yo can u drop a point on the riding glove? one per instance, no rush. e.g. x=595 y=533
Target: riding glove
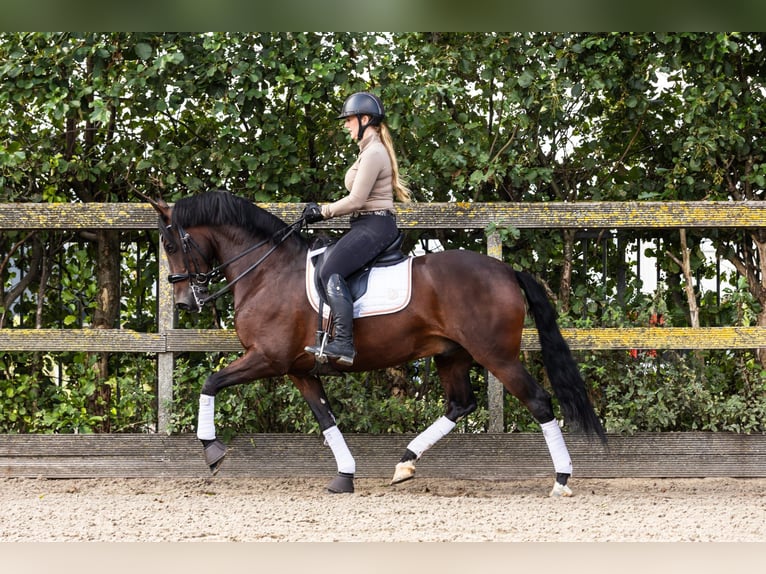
x=312 y=213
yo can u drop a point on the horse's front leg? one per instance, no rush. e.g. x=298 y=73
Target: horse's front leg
x=215 y=450
x=245 y=369
x=313 y=392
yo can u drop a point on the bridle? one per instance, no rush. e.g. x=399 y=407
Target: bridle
x=200 y=280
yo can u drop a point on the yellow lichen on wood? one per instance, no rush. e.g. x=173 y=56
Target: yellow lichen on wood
x=612 y=215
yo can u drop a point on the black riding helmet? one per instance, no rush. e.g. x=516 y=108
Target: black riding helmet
x=363 y=104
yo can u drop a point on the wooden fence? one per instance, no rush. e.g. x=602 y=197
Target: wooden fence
x=488 y=456
x=599 y=215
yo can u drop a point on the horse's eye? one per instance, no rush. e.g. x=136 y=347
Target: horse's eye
x=169 y=246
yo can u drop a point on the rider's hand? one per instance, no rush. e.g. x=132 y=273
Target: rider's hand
x=312 y=213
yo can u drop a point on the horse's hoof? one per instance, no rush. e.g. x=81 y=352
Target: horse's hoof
x=342 y=483
x=214 y=454
x=560 y=491
x=403 y=471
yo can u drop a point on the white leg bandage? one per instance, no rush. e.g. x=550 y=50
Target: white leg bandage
x=431 y=436
x=339 y=449
x=555 y=441
x=206 y=422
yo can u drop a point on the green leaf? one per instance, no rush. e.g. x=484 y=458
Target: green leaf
x=143 y=50
x=525 y=79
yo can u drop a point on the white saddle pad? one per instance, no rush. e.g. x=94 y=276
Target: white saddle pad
x=389 y=289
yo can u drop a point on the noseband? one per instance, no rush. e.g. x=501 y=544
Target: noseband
x=200 y=280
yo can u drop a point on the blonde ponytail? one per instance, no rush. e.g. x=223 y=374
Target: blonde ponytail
x=401 y=190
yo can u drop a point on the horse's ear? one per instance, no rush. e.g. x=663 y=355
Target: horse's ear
x=159 y=204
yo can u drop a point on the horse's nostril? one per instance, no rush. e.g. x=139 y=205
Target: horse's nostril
x=183 y=306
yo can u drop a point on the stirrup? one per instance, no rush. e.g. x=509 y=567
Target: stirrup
x=318 y=349
x=317 y=352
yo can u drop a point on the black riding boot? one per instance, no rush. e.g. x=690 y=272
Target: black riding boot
x=341 y=347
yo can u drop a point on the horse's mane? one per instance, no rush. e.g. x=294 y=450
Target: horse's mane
x=223 y=209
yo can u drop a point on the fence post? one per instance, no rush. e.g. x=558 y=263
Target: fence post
x=165 y=321
x=494 y=386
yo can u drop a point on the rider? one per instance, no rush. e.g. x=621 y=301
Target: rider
x=373 y=181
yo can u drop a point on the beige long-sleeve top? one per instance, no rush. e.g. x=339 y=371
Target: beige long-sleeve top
x=369 y=181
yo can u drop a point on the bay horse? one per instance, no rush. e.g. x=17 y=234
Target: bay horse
x=465 y=307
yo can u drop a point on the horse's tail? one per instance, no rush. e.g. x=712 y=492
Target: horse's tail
x=562 y=370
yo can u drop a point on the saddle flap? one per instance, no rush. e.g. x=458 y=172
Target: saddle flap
x=357 y=282
x=376 y=290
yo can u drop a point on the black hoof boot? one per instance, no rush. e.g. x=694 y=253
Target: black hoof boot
x=215 y=451
x=342 y=483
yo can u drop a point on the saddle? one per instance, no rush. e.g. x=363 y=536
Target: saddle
x=382 y=286
x=358 y=281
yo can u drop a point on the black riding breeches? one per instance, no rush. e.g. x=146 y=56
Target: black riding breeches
x=368 y=237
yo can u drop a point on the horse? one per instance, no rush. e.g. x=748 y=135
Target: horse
x=465 y=308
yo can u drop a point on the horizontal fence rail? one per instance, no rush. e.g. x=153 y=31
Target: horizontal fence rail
x=608 y=215
x=187 y=340
x=489 y=456
x=587 y=215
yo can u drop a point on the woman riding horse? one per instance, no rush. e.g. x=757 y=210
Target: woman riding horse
x=372 y=181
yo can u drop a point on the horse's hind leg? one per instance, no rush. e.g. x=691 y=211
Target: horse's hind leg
x=523 y=386
x=453 y=370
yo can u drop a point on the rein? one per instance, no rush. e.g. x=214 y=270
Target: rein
x=199 y=280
